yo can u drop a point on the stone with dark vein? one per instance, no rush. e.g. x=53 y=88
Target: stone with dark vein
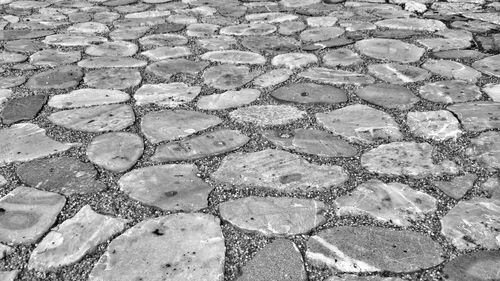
x=310 y=93
x=24 y=108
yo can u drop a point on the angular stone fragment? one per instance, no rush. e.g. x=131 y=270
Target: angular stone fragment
x=26 y=141
x=106 y=62
x=486 y=149
x=477 y=116
x=277 y=170
x=229 y=99
x=227 y=76
x=58 y=78
x=196 y=250
x=273 y=77
x=169 y=125
x=267 y=115
x=452 y=70
x=88 y=97
x=208 y=144
x=113 y=78
x=166 y=68
x=387 y=202
x=112 y=49
x=234 y=56
x=373 y=249
x=412 y=24
x=450 y=91
x=473 y=223
x=53 y=58
x=24 y=108
x=252 y=29
x=74 y=238
x=457 y=187
x=405 y=159
x=397 y=73
x=171 y=95
x=390 y=49
x=27 y=213
x=278 y=261
x=272 y=216
x=310 y=93
x=360 y=123
x=117 y=151
x=435 y=125
x=336 y=77
x=478 y=266
x=341 y=57
x=489 y=65
x=388 y=96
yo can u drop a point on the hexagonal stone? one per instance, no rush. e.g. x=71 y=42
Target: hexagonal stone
x=208 y=144
x=393 y=202
x=116 y=152
x=272 y=216
x=229 y=99
x=477 y=116
x=294 y=60
x=341 y=57
x=87 y=97
x=457 y=187
x=486 y=149
x=102 y=118
x=489 y=65
x=450 y=91
x=473 y=223
x=169 y=124
x=478 y=266
x=372 y=249
x=61 y=174
x=166 y=68
x=318 y=34
x=24 y=108
x=267 y=115
x=227 y=76
x=26 y=141
x=405 y=159
x=73 y=40
x=53 y=58
x=397 y=73
x=388 y=96
x=336 y=77
x=412 y=24
x=112 y=49
x=277 y=170
x=452 y=70
x=310 y=93
x=310 y=141
x=58 y=78
x=435 y=125
x=196 y=250
x=251 y=29
x=270 y=45
x=389 y=49
x=114 y=62
x=360 y=123
x=70 y=241
x=273 y=77
x=279 y=261
x=162 y=53
x=113 y=78
x=27 y=213
x=171 y=95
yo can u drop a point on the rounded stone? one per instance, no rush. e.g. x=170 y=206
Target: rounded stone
x=388 y=96
x=310 y=93
x=267 y=115
x=390 y=49
x=113 y=78
x=450 y=91
x=112 y=49
x=115 y=152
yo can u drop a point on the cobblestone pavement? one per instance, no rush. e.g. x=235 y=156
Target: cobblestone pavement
x=250 y=140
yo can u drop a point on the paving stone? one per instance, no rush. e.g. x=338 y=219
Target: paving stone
x=473 y=223
x=270 y=45
x=234 y=56
x=437 y=125
x=28 y=213
x=335 y=77
x=443 y=44
x=59 y=78
x=196 y=243
x=116 y=152
x=450 y=91
x=477 y=116
x=397 y=73
x=129 y=33
x=489 y=65
x=457 y=187
x=102 y=118
x=291 y=27
x=406 y=159
x=372 y=249
x=251 y=29
x=217 y=42
x=228 y=77
x=294 y=60
x=24 y=34
x=459 y=54
x=24 y=108
x=298 y=3
x=273 y=77
x=360 y=123
x=163 y=53
x=388 y=96
x=112 y=49
x=24 y=46
x=5 y=250
x=113 y=62
x=452 y=70
x=88 y=28
x=171 y=95
x=87 y=97
x=113 y=78
x=417 y=24
x=267 y=115
x=310 y=141
x=12 y=81
x=310 y=93
x=317 y=34
x=393 y=202
x=390 y=49
x=349 y=277
x=25 y=142
x=8 y=57
x=341 y=57
x=169 y=124
x=493 y=91
x=280 y=261
x=162 y=40
x=54 y=58
x=73 y=40
x=229 y=99
x=272 y=216
x=9 y=275
x=74 y=238
x=61 y=174
x=476 y=266
x=485 y=149
x=167 y=68
x=277 y=170
x=202 y=30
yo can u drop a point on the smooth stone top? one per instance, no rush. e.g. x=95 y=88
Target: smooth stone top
x=477 y=116
x=88 y=97
x=310 y=93
x=485 y=149
x=388 y=96
x=229 y=99
x=234 y=56
x=398 y=73
x=489 y=65
x=336 y=77
x=412 y=24
x=390 y=49
x=267 y=115
x=478 y=266
x=171 y=94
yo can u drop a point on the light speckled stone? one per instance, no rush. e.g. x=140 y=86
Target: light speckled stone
x=88 y=97
x=435 y=125
x=162 y=53
x=228 y=77
x=294 y=60
x=397 y=73
x=252 y=29
x=171 y=95
x=450 y=91
x=485 y=148
x=493 y=91
x=390 y=49
x=53 y=58
x=335 y=77
x=229 y=99
x=412 y=24
x=489 y=65
x=113 y=78
x=477 y=116
x=341 y=57
x=273 y=77
x=267 y=115
x=111 y=62
x=452 y=70
x=234 y=56
x=458 y=186
x=117 y=151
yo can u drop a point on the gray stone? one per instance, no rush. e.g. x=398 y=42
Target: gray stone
x=8 y=57
x=111 y=62
x=288 y=28
x=251 y=29
x=277 y=170
x=335 y=77
x=234 y=56
x=485 y=148
x=23 y=34
x=412 y=24
x=349 y=277
x=437 y=125
x=163 y=53
x=73 y=40
x=390 y=49
x=270 y=45
x=5 y=250
x=273 y=77
x=196 y=250
x=310 y=93
x=478 y=266
x=28 y=213
x=9 y=275
x=452 y=70
x=113 y=78
x=294 y=60
x=493 y=91
x=459 y=54
x=11 y=81
x=477 y=116
x=167 y=68
x=267 y=115
x=227 y=76
x=170 y=95
x=88 y=97
x=457 y=187
x=341 y=57
x=112 y=49
x=388 y=96
x=54 y=57
x=24 y=108
x=450 y=91
x=397 y=73
x=318 y=34
x=58 y=78
x=444 y=44
x=217 y=42
x=229 y=99
x=489 y=65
